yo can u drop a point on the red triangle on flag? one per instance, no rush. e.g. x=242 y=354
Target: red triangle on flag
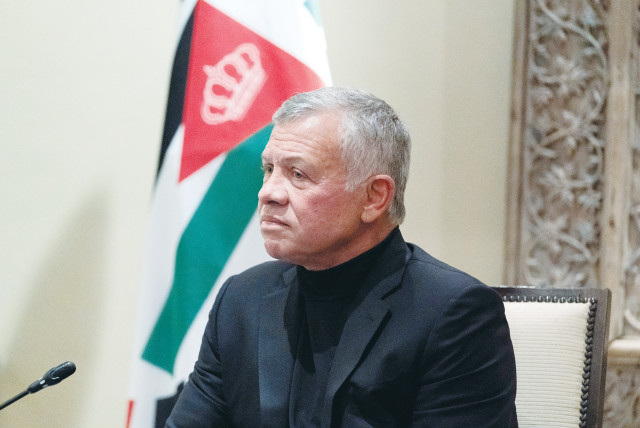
x=236 y=80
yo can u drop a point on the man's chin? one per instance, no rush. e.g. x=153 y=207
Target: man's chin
x=275 y=250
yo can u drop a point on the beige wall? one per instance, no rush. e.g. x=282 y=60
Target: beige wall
x=445 y=66
x=82 y=94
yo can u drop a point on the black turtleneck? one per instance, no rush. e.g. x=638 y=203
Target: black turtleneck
x=328 y=298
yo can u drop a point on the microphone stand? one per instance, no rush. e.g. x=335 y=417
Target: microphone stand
x=51 y=377
x=14 y=399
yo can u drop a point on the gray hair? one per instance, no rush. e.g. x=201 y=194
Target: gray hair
x=373 y=139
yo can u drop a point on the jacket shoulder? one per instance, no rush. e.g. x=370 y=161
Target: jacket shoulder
x=436 y=276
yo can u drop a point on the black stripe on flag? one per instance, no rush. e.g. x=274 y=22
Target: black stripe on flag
x=177 y=87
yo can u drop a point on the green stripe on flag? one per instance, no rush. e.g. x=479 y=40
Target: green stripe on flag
x=206 y=244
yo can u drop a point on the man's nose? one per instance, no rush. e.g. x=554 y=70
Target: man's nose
x=273 y=190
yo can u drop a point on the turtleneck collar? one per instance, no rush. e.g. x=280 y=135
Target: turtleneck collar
x=344 y=279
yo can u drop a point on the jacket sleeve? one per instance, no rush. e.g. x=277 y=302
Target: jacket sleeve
x=469 y=373
x=201 y=403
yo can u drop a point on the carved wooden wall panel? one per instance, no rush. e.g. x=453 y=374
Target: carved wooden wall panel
x=574 y=177
x=563 y=144
x=622 y=405
x=632 y=267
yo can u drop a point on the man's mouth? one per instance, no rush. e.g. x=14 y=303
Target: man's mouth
x=271 y=220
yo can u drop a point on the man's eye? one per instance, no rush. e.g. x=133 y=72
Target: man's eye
x=268 y=169
x=297 y=174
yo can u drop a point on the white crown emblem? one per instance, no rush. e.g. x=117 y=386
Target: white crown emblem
x=237 y=79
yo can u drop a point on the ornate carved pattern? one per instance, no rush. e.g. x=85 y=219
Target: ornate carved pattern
x=632 y=269
x=561 y=164
x=622 y=402
x=563 y=143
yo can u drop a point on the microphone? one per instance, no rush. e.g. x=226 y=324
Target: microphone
x=51 y=377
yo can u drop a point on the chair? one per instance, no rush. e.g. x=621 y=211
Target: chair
x=560 y=343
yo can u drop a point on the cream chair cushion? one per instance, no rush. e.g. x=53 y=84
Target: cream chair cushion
x=549 y=345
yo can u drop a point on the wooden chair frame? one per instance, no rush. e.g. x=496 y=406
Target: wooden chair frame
x=596 y=340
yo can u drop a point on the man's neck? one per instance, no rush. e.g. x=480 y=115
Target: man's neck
x=369 y=239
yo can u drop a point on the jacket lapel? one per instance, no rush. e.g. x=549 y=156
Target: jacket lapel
x=279 y=331
x=357 y=334
x=365 y=319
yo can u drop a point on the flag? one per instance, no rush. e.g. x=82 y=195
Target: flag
x=236 y=61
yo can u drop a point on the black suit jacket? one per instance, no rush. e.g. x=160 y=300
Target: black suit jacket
x=427 y=346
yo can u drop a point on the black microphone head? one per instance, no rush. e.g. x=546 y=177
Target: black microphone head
x=53 y=376
x=62 y=372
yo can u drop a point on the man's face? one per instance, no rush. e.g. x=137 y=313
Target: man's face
x=306 y=215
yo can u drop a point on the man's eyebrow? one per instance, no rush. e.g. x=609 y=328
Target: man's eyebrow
x=285 y=158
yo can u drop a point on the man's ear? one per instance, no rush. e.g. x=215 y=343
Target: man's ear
x=380 y=190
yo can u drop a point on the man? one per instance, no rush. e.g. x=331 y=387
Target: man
x=352 y=327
